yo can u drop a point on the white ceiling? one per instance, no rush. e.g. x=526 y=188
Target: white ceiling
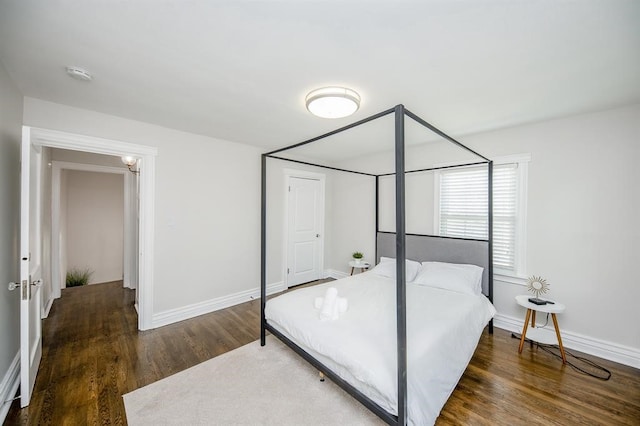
x=239 y=70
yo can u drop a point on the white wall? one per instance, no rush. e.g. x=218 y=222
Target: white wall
x=418 y=195
x=207 y=222
x=95 y=224
x=352 y=227
x=583 y=209
x=10 y=136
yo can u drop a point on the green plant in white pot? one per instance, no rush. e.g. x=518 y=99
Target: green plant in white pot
x=357 y=257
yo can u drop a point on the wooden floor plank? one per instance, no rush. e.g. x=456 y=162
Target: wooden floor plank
x=93 y=354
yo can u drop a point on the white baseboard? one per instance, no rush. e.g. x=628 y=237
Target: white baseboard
x=46 y=309
x=180 y=314
x=336 y=275
x=9 y=386
x=271 y=289
x=600 y=348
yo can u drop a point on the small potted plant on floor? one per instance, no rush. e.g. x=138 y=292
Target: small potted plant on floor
x=78 y=277
x=357 y=257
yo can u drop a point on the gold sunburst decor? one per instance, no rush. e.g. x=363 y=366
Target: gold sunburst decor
x=537 y=285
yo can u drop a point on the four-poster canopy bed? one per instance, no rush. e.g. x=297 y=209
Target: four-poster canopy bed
x=359 y=373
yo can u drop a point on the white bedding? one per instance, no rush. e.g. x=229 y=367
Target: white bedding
x=443 y=328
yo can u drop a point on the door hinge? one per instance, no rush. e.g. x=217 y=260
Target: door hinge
x=289 y=188
x=288 y=271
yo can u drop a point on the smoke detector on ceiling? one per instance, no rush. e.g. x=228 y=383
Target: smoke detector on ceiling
x=79 y=73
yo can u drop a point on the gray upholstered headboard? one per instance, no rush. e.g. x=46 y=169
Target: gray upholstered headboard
x=437 y=249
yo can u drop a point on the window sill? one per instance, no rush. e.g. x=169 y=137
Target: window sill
x=510 y=279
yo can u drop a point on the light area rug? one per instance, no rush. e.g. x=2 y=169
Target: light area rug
x=251 y=385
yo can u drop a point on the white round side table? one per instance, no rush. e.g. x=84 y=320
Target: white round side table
x=362 y=265
x=550 y=308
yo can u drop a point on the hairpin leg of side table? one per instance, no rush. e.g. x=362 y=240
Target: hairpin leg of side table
x=555 y=324
x=524 y=330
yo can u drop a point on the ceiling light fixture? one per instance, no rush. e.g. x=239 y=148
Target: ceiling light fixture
x=130 y=162
x=332 y=102
x=79 y=73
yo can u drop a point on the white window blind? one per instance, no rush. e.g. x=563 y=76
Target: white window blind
x=505 y=215
x=464 y=212
x=463 y=203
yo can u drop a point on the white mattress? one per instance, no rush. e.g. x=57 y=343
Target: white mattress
x=443 y=329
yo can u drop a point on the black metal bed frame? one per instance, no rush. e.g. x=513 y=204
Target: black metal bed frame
x=399 y=112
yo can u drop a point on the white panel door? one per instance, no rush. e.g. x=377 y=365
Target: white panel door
x=30 y=268
x=305 y=215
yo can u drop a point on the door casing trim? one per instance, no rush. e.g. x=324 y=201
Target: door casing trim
x=147 y=154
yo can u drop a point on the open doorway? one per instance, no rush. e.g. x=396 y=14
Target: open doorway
x=94 y=219
x=143 y=251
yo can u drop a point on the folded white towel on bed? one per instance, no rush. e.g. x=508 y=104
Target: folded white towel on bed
x=331 y=306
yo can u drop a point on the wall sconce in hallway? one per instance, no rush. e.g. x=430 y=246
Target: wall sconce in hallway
x=131 y=163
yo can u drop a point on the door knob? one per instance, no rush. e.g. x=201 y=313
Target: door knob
x=13 y=286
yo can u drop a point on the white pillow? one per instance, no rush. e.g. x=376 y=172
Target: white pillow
x=456 y=277
x=387 y=268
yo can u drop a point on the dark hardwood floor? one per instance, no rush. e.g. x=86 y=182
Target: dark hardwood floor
x=93 y=354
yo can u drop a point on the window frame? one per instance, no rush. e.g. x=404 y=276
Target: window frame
x=522 y=160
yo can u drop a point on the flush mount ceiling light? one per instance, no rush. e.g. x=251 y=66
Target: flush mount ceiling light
x=333 y=102
x=79 y=73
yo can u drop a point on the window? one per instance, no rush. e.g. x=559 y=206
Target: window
x=461 y=209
